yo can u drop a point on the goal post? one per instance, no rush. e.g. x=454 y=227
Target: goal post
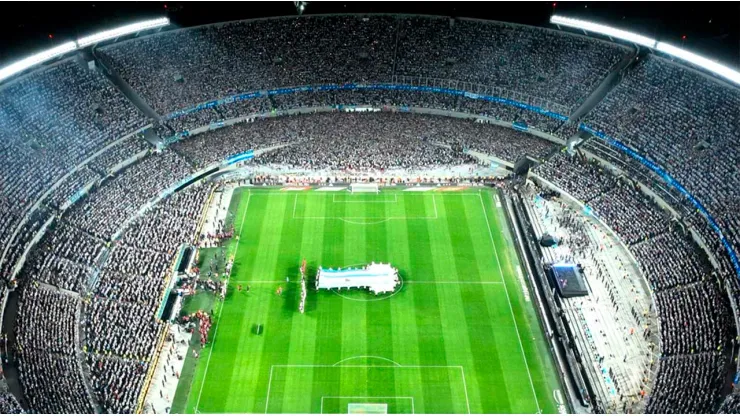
x=364 y=187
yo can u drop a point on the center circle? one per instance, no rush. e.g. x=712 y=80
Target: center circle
x=364 y=295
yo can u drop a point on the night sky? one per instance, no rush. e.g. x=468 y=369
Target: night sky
x=710 y=28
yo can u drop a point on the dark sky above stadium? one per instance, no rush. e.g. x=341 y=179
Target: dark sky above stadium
x=710 y=28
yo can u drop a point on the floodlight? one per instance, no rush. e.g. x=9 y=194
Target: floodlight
x=36 y=59
x=700 y=61
x=123 y=30
x=604 y=30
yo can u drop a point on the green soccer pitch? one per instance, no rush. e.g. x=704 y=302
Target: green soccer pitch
x=459 y=336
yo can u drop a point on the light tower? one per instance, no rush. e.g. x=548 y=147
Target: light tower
x=300 y=6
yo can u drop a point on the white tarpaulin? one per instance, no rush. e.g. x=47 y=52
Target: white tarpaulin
x=378 y=278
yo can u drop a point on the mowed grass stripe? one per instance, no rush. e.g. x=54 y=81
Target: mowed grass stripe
x=424 y=324
x=354 y=322
x=511 y=386
x=536 y=347
x=455 y=330
x=486 y=385
x=258 y=306
x=328 y=313
x=221 y=359
x=521 y=340
x=378 y=314
x=305 y=327
x=287 y=319
x=404 y=332
x=427 y=308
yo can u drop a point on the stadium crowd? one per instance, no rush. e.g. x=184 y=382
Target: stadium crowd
x=64 y=257
x=192 y=66
x=57 y=117
x=731 y=405
x=9 y=404
x=46 y=352
x=385 y=140
x=688 y=124
x=104 y=212
x=116 y=382
x=695 y=316
x=43 y=118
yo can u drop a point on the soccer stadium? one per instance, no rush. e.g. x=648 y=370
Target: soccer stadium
x=369 y=213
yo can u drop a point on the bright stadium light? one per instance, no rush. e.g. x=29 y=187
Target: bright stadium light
x=604 y=30
x=700 y=61
x=36 y=59
x=121 y=31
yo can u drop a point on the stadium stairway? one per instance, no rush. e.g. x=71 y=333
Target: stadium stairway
x=107 y=70
x=611 y=80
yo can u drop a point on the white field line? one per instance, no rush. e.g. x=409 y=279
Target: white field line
x=367 y=356
x=367 y=397
x=365 y=218
x=465 y=386
x=269 y=383
x=258 y=192
x=508 y=299
x=417 y=282
x=431 y=282
x=269 y=386
x=360 y=366
x=215 y=331
x=334 y=200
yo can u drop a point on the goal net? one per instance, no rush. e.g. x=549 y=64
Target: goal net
x=364 y=187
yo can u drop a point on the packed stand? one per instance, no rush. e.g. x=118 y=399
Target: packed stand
x=131 y=275
x=194 y=120
x=52 y=120
x=69 y=188
x=9 y=404
x=46 y=352
x=182 y=68
x=731 y=405
x=64 y=257
x=688 y=384
x=542 y=63
x=131 y=284
x=213 y=147
x=116 y=383
x=622 y=204
x=118 y=154
x=696 y=318
x=688 y=124
x=581 y=178
x=362 y=141
x=260 y=105
x=105 y=210
x=22 y=241
x=671 y=260
x=126 y=329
